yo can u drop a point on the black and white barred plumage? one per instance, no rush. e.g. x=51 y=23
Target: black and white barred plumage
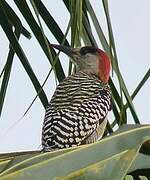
x=77 y=112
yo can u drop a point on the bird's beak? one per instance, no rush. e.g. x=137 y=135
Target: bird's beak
x=67 y=50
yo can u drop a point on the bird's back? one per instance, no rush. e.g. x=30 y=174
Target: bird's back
x=76 y=111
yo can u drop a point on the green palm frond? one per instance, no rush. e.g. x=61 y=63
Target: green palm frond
x=112 y=158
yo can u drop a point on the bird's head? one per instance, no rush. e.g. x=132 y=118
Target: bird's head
x=89 y=59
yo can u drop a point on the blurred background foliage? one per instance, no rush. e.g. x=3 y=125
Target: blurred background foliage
x=79 y=32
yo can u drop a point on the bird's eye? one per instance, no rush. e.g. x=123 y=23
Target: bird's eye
x=87 y=49
x=83 y=51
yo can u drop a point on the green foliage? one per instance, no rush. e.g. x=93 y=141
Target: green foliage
x=112 y=157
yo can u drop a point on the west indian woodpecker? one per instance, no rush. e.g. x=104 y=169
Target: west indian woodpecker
x=77 y=112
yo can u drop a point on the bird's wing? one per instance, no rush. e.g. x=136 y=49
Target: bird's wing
x=97 y=133
x=78 y=107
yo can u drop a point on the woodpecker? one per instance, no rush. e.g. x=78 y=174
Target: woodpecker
x=77 y=112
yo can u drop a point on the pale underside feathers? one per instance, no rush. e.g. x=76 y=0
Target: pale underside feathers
x=77 y=112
